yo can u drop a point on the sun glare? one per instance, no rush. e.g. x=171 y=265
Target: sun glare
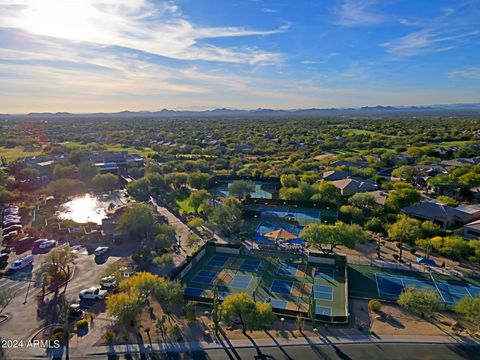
x=60 y=18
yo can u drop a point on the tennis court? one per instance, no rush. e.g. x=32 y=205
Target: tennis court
x=204 y=277
x=281 y=286
x=287 y=270
x=218 y=261
x=262 y=190
x=325 y=273
x=453 y=291
x=251 y=264
x=323 y=292
x=288 y=286
x=240 y=281
x=323 y=310
x=300 y=215
x=392 y=286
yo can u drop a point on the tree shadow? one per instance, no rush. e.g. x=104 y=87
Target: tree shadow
x=390 y=320
x=228 y=348
x=278 y=345
x=260 y=355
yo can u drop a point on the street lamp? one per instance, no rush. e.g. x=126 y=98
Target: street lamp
x=283 y=321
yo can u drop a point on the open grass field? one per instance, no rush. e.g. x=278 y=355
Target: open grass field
x=180 y=198
x=142 y=151
x=287 y=285
x=17 y=152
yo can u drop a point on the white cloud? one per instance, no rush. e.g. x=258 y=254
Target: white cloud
x=157 y=28
x=359 y=13
x=468 y=73
x=427 y=41
x=449 y=30
x=268 y=10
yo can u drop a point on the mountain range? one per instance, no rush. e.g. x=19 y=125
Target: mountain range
x=375 y=111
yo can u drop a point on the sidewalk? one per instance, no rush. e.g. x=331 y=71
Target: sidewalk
x=182 y=232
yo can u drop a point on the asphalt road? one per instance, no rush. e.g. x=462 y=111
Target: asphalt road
x=341 y=352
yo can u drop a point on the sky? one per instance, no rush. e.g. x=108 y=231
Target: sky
x=113 y=55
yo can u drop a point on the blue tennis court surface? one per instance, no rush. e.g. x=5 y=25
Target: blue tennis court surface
x=392 y=286
x=278 y=304
x=324 y=273
x=289 y=213
x=323 y=292
x=217 y=261
x=323 y=310
x=241 y=281
x=287 y=270
x=190 y=291
x=250 y=264
x=281 y=286
x=453 y=291
x=204 y=277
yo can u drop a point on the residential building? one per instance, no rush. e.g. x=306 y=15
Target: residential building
x=472 y=230
x=446 y=216
x=352 y=186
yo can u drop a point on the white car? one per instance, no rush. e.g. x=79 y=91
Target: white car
x=101 y=250
x=47 y=244
x=93 y=293
x=21 y=263
x=108 y=282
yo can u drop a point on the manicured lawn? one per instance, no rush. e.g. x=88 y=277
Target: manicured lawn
x=17 y=152
x=142 y=151
x=358 y=132
x=181 y=199
x=458 y=143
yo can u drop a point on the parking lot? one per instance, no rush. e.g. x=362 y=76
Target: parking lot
x=23 y=308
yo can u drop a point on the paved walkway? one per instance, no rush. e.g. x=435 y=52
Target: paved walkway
x=183 y=231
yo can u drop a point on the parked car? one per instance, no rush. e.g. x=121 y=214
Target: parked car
x=101 y=250
x=24 y=244
x=12 y=228
x=93 y=293
x=10 y=234
x=8 y=223
x=21 y=263
x=47 y=244
x=108 y=282
x=74 y=311
x=3 y=258
x=10 y=210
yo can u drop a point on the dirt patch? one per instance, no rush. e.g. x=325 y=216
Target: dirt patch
x=395 y=320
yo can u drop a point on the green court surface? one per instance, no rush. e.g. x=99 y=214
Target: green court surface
x=387 y=284
x=362 y=279
x=287 y=286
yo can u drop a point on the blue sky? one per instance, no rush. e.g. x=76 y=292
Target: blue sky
x=112 y=55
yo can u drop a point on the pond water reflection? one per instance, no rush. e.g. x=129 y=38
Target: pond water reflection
x=88 y=208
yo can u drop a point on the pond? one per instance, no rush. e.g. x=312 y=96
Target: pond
x=89 y=208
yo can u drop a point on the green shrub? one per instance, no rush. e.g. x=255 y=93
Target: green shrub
x=374 y=305
x=82 y=323
x=57 y=336
x=58 y=330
